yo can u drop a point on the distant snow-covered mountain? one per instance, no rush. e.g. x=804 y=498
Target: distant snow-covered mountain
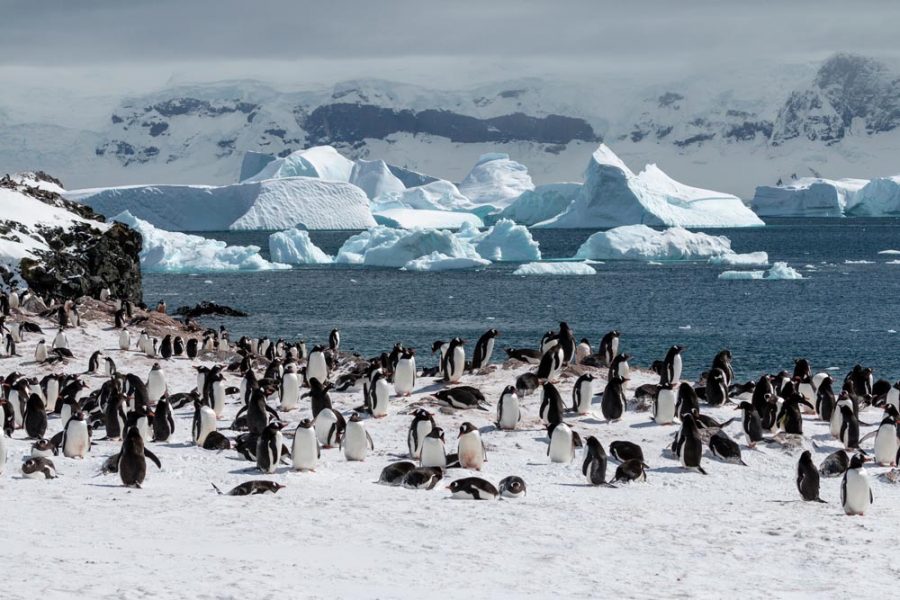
x=836 y=119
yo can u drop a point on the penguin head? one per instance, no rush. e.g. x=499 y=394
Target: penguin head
x=744 y=406
x=493 y=333
x=857 y=461
x=510 y=389
x=466 y=428
x=354 y=417
x=891 y=411
x=305 y=424
x=436 y=433
x=421 y=413
x=594 y=446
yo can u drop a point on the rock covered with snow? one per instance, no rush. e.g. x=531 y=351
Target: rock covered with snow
x=808 y=197
x=174 y=252
x=271 y=204
x=613 y=195
x=555 y=268
x=496 y=180
x=542 y=203
x=293 y=247
x=779 y=270
x=639 y=242
x=321 y=162
x=375 y=178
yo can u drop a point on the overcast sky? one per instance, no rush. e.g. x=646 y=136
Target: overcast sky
x=119 y=44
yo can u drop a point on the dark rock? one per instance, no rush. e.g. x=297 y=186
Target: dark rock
x=209 y=308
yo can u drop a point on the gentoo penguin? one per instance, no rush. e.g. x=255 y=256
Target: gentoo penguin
x=45 y=448
x=305 y=451
x=156 y=383
x=526 y=384
x=379 y=396
x=790 y=418
x=76 y=439
x=405 y=373
x=751 y=424
x=163 y=421
x=825 y=399
x=433 y=452
x=562 y=443
x=582 y=351
x=178 y=346
x=334 y=340
x=671 y=371
x=421 y=426
x=716 y=387
x=61 y=340
x=567 y=342
x=94 y=362
x=252 y=488
x=257 y=411
x=357 y=441
x=133 y=457
x=609 y=347
x=856 y=494
x=165 y=347
x=330 y=426
x=215 y=384
x=289 y=390
x=552 y=407
x=35 y=418
x=613 y=403
x=508 y=412
x=688 y=446
x=630 y=470
x=204 y=422
x=422 y=478
x=50 y=387
x=512 y=487
x=440 y=347
x=552 y=364
x=549 y=340
x=38 y=468
x=850 y=429
x=3 y=450
x=473 y=488
x=462 y=397
x=808 y=478
x=115 y=417
x=104 y=294
x=624 y=451
x=454 y=361
x=124 y=340
x=664 y=405
x=619 y=367
x=582 y=394
x=837 y=417
x=139 y=418
x=316 y=365
x=471 y=452
x=484 y=348
x=722 y=361
x=109 y=367
x=526 y=355
x=193 y=348
x=893 y=396
x=394 y=473
x=40 y=351
x=268 y=447
x=725 y=448
x=594 y=465
x=887 y=437
x=318 y=395
x=835 y=464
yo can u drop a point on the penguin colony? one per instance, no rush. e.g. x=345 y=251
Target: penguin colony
x=123 y=415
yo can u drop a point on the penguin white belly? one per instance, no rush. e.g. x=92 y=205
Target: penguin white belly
x=156 y=385
x=806 y=390
x=423 y=428
x=382 y=395
x=893 y=398
x=60 y=341
x=548 y=345
x=305 y=450
x=323 y=423
x=143 y=427
x=676 y=368
x=218 y=398
x=510 y=412
x=40 y=353
x=433 y=454
x=471 y=452
x=458 y=364
x=614 y=347
x=290 y=391
x=316 y=367
x=355 y=443
x=65 y=413
x=837 y=420
x=561 y=447
x=275 y=453
x=623 y=369
x=17 y=409
x=488 y=352
x=405 y=376
x=664 y=408
x=857 y=492
x=585 y=395
x=77 y=440
x=207 y=424
x=582 y=351
x=886 y=444
x=201 y=382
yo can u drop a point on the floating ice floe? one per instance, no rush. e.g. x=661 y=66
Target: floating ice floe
x=858 y=262
x=750 y=259
x=779 y=270
x=613 y=195
x=173 y=252
x=555 y=268
x=506 y=241
x=496 y=180
x=542 y=203
x=388 y=247
x=639 y=242
x=889 y=252
x=441 y=262
x=293 y=247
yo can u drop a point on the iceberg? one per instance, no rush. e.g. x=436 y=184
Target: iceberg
x=437 y=261
x=542 y=203
x=750 y=259
x=496 y=180
x=639 y=242
x=779 y=270
x=173 y=252
x=889 y=252
x=555 y=268
x=375 y=178
x=410 y=218
x=878 y=198
x=320 y=162
x=272 y=204
x=808 y=197
x=386 y=247
x=506 y=241
x=437 y=195
x=613 y=195
x=293 y=247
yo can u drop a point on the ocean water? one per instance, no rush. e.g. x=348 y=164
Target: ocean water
x=839 y=315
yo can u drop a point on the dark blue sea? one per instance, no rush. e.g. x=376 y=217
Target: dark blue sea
x=839 y=315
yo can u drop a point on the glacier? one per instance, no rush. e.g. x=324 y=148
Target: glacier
x=542 y=203
x=174 y=252
x=293 y=247
x=555 y=268
x=807 y=197
x=496 y=180
x=779 y=271
x=639 y=242
x=321 y=162
x=613 y=195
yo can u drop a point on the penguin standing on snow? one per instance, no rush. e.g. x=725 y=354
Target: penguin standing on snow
x=856 y=493
x=552 y=407
x=887 y=437
x=825 y=398
x=722 y=361
x=619 y=367
x=664 y=405
x=595 y=461
x=484 y=348
x=405 y=373
x=305 y=451
x=421 y=426
x=552 y=364
x=808 y=478
x=613 y=403
x=434 y=453
x=268 y=447
x=471 y=452
x=562 y=443
x=508 y=412
x=716 y=387
x=582 y=394
x=132 y=464
x=671 y=371
x=334 y=340
x=609 y=347
x=76 y=439
x=163 y=421
x=35 y=418
x=582 y=351
x=567 y=342
x=454 y=361
x=688 y=446
x=316 y=365
x=725 y=448
x=357 y=441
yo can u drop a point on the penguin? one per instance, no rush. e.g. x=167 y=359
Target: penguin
x=582 y=394
x=334 y=340
x=252 y=488
x=562 y=443
x=163 y=421
x=893 y=396
x=808 y=478
x=850 y=429
x=433 y=452
x=161 y=307
x=440 y=347
x=552 y=364
x=725 y=448
x=357 y=441
x=318 y=395
x=664 y=405
x=825 y=399
x=421 y=426
x=688 y=446
x=582 y=351
x=405 y=373
x=837 y=417
x=11 y=345
x=316 y=365
x=115 y=417
x=165 y=347
x=379 y=396
x=751 y=423
x=156 y=383
x=40 y=352
x=38 y=468
x=619 y=367
x=856 y=493
x=887 y=437
x=257 y=412
x=630 y=470
x=526 y=384
x=35 y=418
x=462 y=397
x=330 y=427
x=454 y=361
x=790 y=419
x=473 y=488
x=394 y=473
x=526 y=355
x=594 y=465
x=178 y=346
x=268 y=447
x=484 y=348
x=722 y=361
x=109 y=367
x=289 y=390
x=94 y=362
x=609 y=347
x=512 y=487
x=671 y=371
x=471 y=452
x=76 y=439
x=624 y=451
x=42 y=448
x=132 y=463
x=549 y=340
x=193 y=348
x=567 y=342
x=139 y=419
x=216 y=386
x=3 y=451
x=835 y=464
x=552 y=406
x=204 y=422
x=422 y=478
x=508 y=412
x=305 y=451
x=613 y=403
x=124 y=340
x=61 y=341
x=716 y=387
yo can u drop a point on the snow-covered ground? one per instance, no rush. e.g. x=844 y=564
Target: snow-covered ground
x=334 y=533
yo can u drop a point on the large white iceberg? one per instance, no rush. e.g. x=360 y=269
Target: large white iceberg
x=436 y=195
x=375 y=178
x=272 y=204
x=613 y=195
x=808 y=197
x=173 y=252
x=293 y=247
x=639 y=242
x=321 y=162
x=411 y=218
x=878 y=198
x=506 y=241
x=555 y=268
x=441 y=262
x=387 y=247
x=496 y=180
x=779 y=270
x=542 y=203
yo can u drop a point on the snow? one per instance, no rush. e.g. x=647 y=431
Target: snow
x=779 y=271
x=496 y=180
x=437 y=261
x=322 y=162
x=375 y=178
x=639 y=242
x=506 y=241
x=750 y=259
x=273 y=204
x=174 y=252
x=542 y=203
x=32 y=180
x=436 y=195
x=410 y=218
x=293 y=247
x=807 y=197
x=555 y=268
x=613 y=195
x=99 y=536
x=386 y=247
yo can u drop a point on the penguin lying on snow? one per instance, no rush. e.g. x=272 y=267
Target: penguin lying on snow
x=462 y=397
x=394 y=473
x=473 y=488
x=251 y=488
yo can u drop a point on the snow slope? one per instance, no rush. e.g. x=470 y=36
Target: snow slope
x=613 y=195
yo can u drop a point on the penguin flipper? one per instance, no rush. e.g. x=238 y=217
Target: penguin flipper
x=369 y=439
x=152 y=457
x=215 y=487
x=702 y=472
